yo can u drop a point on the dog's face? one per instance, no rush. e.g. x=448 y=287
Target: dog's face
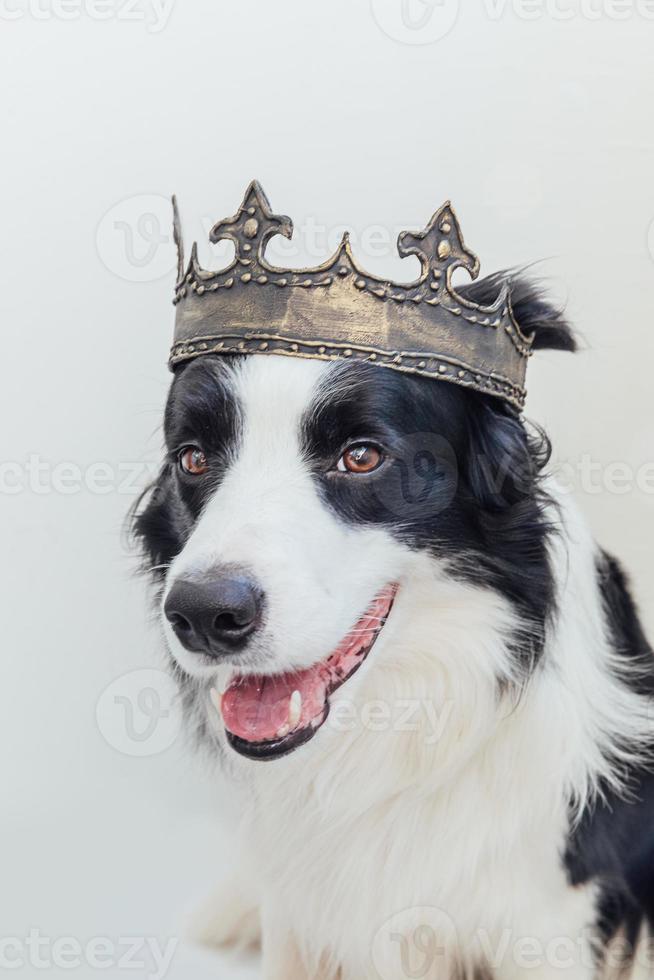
x=302 y=504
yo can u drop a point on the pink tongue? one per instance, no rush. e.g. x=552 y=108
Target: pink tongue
x=257 y=709
x=263 y=708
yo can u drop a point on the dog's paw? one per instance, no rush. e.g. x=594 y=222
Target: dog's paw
x=229 y=919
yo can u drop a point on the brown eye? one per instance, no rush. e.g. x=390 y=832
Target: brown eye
x=193 y=461
x=363 y=458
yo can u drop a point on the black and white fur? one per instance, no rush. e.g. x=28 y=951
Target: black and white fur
x=517 y=806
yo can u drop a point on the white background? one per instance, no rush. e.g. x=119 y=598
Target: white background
x=535 y=121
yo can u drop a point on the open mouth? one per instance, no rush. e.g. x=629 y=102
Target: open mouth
x=268 y=716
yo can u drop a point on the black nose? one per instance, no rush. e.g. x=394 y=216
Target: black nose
x=215 y=615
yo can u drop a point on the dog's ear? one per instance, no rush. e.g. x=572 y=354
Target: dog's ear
x=504 y=457
x=155 y=520
x=506 y=501
x=535 y=314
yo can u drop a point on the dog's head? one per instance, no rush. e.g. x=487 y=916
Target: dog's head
x=305 y=508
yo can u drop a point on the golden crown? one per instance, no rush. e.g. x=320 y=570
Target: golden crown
x=338 y=311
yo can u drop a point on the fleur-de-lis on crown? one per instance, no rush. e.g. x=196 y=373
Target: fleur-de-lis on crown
x=439 y=248
x=251 y=228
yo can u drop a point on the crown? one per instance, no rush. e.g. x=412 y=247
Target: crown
x=339 y=311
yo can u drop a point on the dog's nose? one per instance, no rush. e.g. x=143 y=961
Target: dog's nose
x=216 y=615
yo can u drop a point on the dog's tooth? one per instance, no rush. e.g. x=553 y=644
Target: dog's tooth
x=283 y=731
x=216 y=698
x=294 y=708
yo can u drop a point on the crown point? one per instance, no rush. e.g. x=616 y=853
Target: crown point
x=178 y=239
x=255 y=192
x=344 y=251
x=194 y=262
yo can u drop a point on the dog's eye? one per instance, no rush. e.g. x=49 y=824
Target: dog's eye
x=193 y=461
x=362 y=458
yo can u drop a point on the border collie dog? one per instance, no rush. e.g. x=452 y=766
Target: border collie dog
x=397 y=634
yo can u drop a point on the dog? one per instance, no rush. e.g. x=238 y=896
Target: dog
x=429 y=682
